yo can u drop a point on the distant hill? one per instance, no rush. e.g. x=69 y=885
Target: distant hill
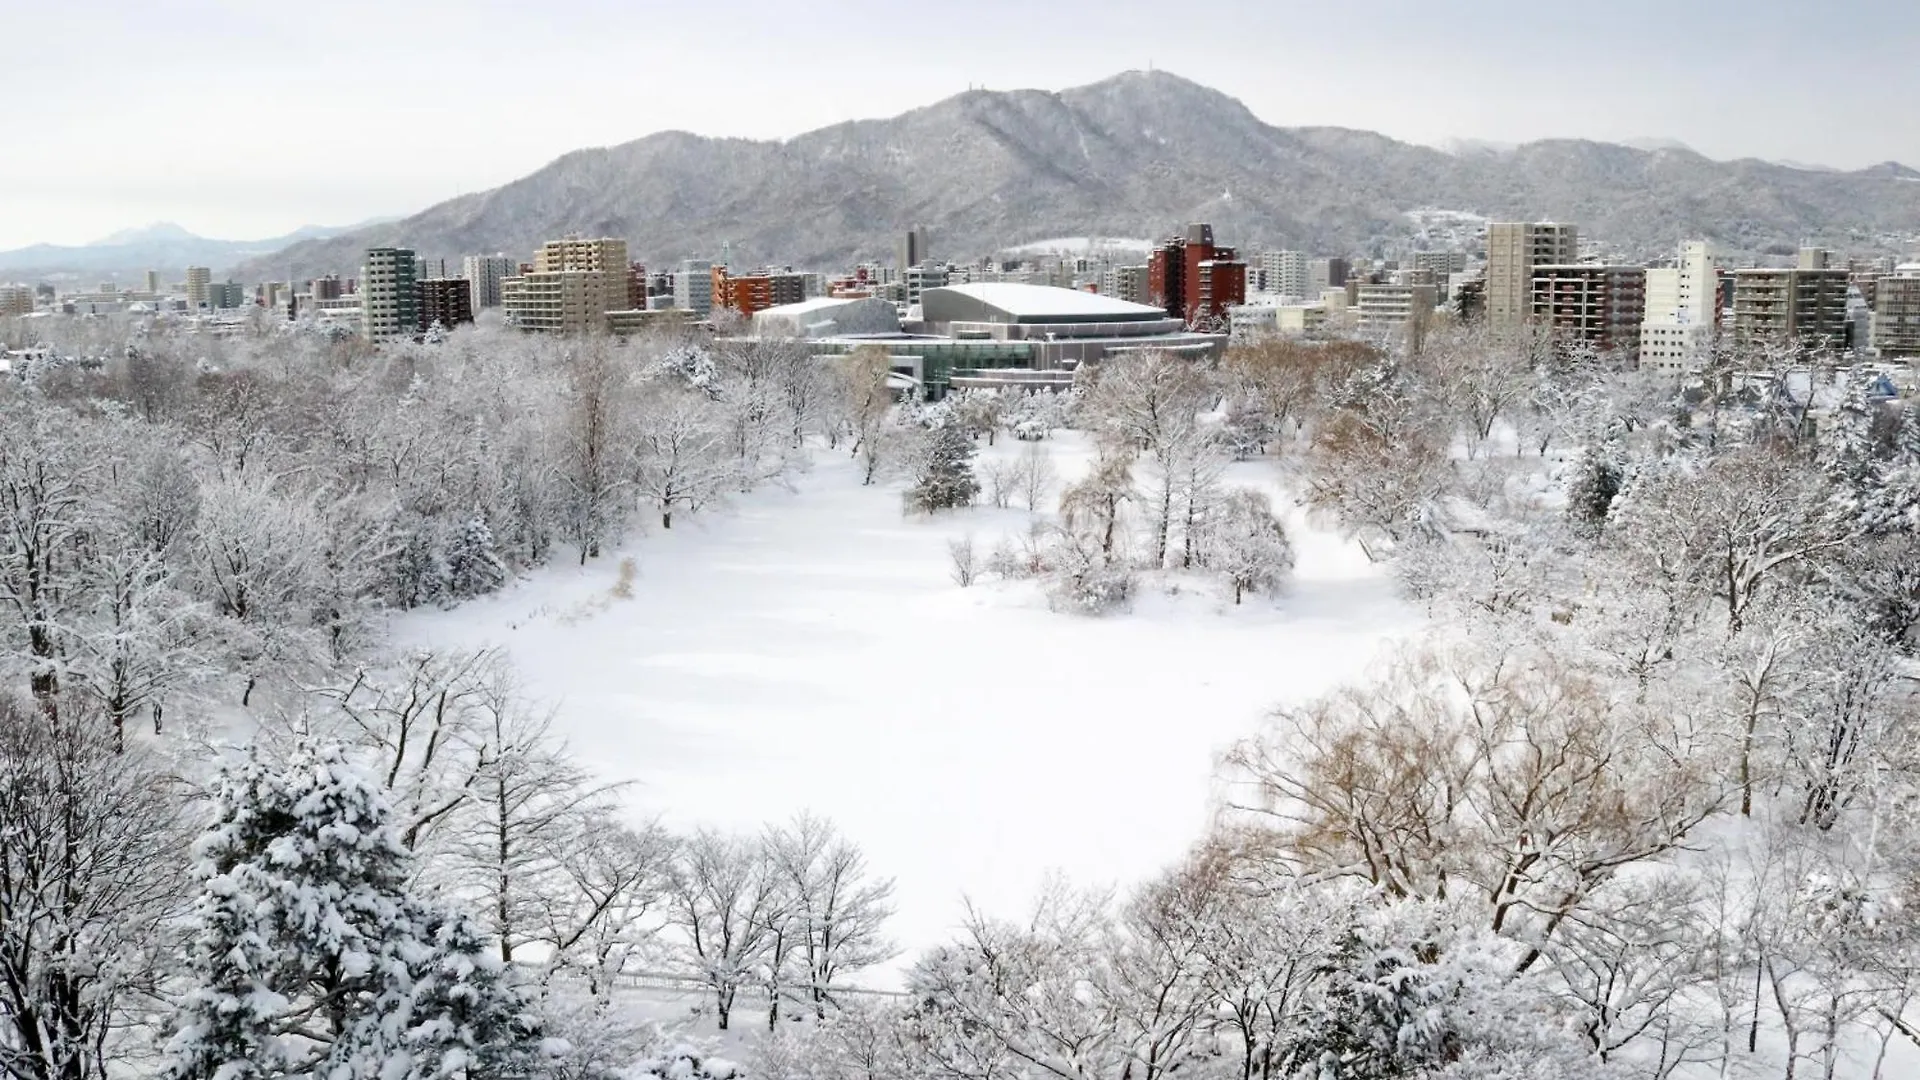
x=1134 y=155
x=162 y=246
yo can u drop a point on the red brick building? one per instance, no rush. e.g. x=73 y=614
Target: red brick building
x=756 y=292
x=1196 y=279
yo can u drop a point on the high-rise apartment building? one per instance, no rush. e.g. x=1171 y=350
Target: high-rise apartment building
x=387 y=295
x=1285 y=273
x=326 y=288
x=756 y=292
x=570 y=287
x=693 y=287
x=1600 y=305
x=1804 y=306
x=573 y=253
x=445 y=301
x=153 y=282
x=923 y=276
x=16 y=300
x=1683 y=310
x=484 y=273
x=1194 y=279
x=1896 y=312
x=1513 y=250
x=198 y=278
x=225 y=295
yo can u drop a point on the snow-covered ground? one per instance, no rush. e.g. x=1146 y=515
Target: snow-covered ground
x=810 y=650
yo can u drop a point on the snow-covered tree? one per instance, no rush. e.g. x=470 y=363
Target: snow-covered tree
x=724 y=901
x=309 y=955
x=472 y=562
x=1246 y=543
x=91 y=851
x=943 y=473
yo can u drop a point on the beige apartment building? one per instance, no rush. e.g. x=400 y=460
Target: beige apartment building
x=1514 y=248
x=198 y=278
x=574 y=284
x=16 y=300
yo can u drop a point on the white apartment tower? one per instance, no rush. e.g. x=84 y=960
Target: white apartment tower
x=693 y=287
x=484 y=273
x=1514 y=248
x=1682 y=310
x=1285 y=273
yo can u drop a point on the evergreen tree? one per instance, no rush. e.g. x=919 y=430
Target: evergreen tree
x=420 y=574
x=473 y=567
x=945 y=478
x=1596 y=480
x=310 y=958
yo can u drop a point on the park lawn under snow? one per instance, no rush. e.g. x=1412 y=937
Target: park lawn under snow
x=809 y=649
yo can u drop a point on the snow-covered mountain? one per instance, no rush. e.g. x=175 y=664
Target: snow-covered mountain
x=1133 y=155
x=163 y=246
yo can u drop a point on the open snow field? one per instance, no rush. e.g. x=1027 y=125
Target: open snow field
x=810 y=650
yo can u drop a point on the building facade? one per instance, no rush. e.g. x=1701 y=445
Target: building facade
x=387 y=295
x=1194 y=279
x=1896 y=312
x=198 y=278
x=693 y=287
x=446 y=302
x=1285 y=273
x=1602 y=306
x=484 y=273
x=561 y=301
x=1399 y=313
x=1514 y=248
x=16 y=300
x=1683 y=310
x=1805 y=306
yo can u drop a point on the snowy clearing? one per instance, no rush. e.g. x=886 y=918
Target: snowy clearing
x=809 y=650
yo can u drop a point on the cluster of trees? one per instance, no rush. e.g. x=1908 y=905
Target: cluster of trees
x=207 y=534
x=1641 y=806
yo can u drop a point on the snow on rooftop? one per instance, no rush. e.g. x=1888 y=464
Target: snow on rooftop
x=806 y=307
x=1033 y=301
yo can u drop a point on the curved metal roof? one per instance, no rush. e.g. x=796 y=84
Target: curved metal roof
x=1011 y=302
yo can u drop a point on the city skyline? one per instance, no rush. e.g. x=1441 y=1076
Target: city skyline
x=242 y=123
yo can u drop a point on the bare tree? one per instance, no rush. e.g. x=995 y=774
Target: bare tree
x=837 y=911
x=93 y=849
x=723 y=900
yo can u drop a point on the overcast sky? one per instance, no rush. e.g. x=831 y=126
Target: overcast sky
x=248 y=119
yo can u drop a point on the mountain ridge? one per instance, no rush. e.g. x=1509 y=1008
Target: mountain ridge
x=1136 y=154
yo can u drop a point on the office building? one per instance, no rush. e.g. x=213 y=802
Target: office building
x=198 y=277
x=16 y=300
x=224 y=295
x=1896 y=313
x=1324 y=274
x=1804 y=306
x=913 y=249
x=1285 y=274
x=921 y=277
x=446 y=302
x=693 y=287
x=326 y=288
x=1513 y=250
x=1602 y=306
x=387 y=295
x=484 y=273
x=1683 y=310
x=1443 y=265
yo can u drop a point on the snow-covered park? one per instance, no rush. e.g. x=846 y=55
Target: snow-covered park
x=809 y=649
